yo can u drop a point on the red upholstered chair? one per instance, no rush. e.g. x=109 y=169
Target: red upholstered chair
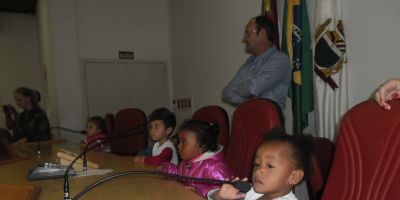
x=251 y=120
x=321 y=162
x=366 y=164
x=109 y=123
x=126 y=119
x=218 y=115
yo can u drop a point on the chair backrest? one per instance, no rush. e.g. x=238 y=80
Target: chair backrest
x=109 y=123
x=4 y=136
x=127 y=119
x=367 y=158
x=218 y=115
x=321 y=162
x=251 y=120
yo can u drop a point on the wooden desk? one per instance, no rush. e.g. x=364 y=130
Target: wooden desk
x=144 y=187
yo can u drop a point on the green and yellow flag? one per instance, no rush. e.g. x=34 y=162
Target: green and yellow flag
x=296 y=42
x=268 y=9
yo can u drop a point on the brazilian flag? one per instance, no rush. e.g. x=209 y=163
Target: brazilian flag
x=296 y=42
x=268 y=9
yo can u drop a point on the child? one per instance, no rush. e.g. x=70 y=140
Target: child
x=162 y=124
x=201 y=156
x=95 y=134
x=282 y=161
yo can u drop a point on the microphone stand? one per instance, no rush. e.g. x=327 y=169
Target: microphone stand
x=75 y=131
x=37 y=143
x=87 y=149
x=84 y=164
x=240 y=185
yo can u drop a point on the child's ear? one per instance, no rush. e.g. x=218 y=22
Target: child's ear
x=202 y=148
x=296 y=176
x=169 y=130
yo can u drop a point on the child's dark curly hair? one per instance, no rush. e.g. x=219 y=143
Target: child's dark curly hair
x=166 y=116
x=302 y=148
x=206 y=133
x=98 y=122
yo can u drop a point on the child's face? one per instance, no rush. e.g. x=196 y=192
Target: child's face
x=188 y=146
x=275 y=171
x=157 y=130
x=92 y=129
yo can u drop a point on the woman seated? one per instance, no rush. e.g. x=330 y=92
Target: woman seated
x=32 y=123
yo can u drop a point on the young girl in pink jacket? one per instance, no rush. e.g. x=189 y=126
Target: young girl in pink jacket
x=201 y=155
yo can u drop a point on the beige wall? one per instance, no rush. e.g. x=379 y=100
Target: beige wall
x=46 y=56
x=206 y=47
x=98 y=29
x=64 y=41
x=372 y=44
x=19 y=56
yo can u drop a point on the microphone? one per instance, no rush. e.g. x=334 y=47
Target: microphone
x=75 y=131
x=38 y=144
x=88 y=148
x=240 y=185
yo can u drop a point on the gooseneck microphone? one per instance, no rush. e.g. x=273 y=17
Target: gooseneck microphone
x=75 y=131
x=240 y=185
x=89 y=147
x=84 y=164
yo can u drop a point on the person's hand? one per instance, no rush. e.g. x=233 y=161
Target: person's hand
x=190 y=188
x=10 y=114
x=82 y=145
x=388 y=91
x=139 y=159
x=9 y=110
x=227 y=191
x=160 y=168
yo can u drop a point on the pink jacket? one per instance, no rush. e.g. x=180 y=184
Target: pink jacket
x=209 y=165
x=94 y=139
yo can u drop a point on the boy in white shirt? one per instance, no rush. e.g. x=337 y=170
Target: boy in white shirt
x=161 y=126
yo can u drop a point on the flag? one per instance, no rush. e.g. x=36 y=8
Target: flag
x=296 y=42
x=330 y=70
x=268 y=9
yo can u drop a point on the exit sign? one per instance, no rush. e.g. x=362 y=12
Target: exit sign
x=126 y=55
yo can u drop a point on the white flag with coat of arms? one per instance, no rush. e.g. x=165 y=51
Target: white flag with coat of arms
x=330 y=68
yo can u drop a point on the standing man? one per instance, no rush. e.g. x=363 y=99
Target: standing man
x=266 y=73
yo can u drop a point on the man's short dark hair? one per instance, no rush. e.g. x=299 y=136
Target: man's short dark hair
x=166 y=116
x=263 y=22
